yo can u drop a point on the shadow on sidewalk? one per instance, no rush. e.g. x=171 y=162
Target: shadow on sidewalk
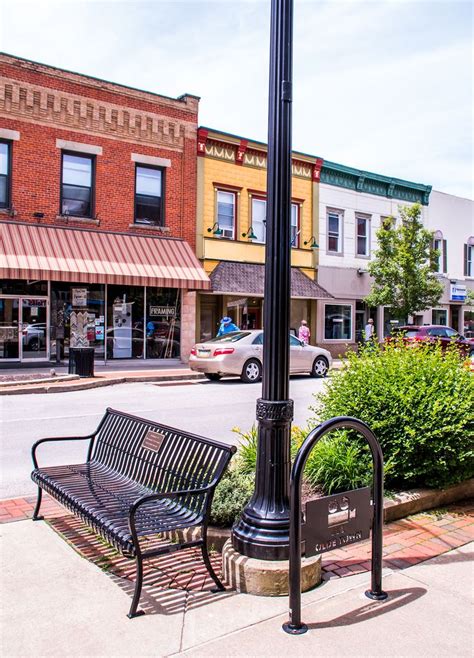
x=396 y=599
x=172 y=583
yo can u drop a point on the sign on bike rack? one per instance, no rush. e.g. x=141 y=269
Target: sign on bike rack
x=334 y=521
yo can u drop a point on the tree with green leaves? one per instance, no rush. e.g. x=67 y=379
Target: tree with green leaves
x=405 y=265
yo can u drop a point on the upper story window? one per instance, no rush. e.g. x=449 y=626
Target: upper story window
x=362 y=235
x=226 y=205
x=469 y=258
x=5 y=174
x=441 y=246
x=334 y=223
x=77 y=188
x=149 y=195
x=259 y=213
x=295 y=216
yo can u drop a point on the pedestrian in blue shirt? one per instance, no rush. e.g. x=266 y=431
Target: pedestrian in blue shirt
x=226 y=326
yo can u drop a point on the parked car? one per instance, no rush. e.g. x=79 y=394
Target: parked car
x=241 y=353
x=433 y=333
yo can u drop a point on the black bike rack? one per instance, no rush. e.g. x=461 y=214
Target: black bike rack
x=334 y=521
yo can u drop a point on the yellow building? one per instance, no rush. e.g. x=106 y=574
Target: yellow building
x=231 y=208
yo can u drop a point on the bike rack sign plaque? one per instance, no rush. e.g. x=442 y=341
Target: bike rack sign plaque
x=336 y=521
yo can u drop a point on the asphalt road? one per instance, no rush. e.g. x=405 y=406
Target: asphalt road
x=207 y=408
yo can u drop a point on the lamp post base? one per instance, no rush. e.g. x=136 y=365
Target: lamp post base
x=265 y=577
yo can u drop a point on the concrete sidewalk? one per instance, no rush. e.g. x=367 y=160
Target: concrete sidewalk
x=55 y=603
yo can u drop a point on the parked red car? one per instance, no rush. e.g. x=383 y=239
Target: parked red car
x=433 y=333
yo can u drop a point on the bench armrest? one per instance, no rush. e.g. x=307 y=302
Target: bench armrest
x=57 y=438
x=167 y=494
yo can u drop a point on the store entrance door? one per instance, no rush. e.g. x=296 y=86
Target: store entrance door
x=9 y=334
x=34 y=342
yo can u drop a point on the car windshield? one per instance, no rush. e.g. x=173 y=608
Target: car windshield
x=231 y=337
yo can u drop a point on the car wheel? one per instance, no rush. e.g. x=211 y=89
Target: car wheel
x=471 y=354
x=320 y=367
x=212 y=376
x=251 y=372
x=34 y=345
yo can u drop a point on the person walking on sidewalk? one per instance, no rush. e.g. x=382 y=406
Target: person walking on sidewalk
x=304 y=332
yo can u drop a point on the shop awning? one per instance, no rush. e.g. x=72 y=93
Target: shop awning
x=29 y=251
x=233 y=278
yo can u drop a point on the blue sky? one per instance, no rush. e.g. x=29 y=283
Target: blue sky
x=383 y=86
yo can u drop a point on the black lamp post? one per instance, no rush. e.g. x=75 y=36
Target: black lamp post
x=263 y=530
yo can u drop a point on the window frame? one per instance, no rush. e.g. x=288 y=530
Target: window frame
x=368 y=222
x=438 y=310
x=257 y=197
x=163 y=188
x=92 y=158
x=235 y=194
x=340 y=215
x=8 y=187
x=469 y=260
x=339 y=340
x=296 y=245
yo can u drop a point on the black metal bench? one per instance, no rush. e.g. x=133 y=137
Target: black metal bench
x=140 y=479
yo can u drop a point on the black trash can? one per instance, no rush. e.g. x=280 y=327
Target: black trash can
x=81 y=361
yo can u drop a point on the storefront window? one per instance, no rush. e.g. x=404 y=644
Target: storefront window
x=468 y=328
x=439 y=316
x=390 y=321
x=77 y=317
x=163 y=323
x=337 y=322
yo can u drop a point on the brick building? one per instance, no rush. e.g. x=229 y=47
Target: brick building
x=97 y=216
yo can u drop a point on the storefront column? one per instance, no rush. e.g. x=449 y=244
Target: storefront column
x=188 y=323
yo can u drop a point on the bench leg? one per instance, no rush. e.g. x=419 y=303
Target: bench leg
x=138 y=588
x=38 y=505
x=205 y=556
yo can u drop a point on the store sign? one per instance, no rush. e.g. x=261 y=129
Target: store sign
x=79 y=296
x=162 y=310
x=458 y=293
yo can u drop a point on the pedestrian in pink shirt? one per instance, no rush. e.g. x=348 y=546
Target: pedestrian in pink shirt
x=304 y=332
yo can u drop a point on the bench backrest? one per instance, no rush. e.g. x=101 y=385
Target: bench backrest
x=161 y=458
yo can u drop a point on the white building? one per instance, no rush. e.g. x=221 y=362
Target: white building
x=351 y=205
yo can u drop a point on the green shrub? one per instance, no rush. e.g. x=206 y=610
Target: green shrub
x=419 y=403
x=337 y=464
x=232 y=494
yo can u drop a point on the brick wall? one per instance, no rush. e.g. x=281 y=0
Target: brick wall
x=45 y=104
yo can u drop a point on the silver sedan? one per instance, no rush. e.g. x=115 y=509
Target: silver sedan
x=241 y=353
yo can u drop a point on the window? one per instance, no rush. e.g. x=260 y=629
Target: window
x=441 y=246
x=439 y=316
x=294 y=342
x=337 y=322
x=451 y=333
x=295 y=211
x=148 y=196
x=259 y=213
x=363 y=235
x=334 y=232
x=469 y=260
x=5 y=174
x=437 y=332
x=226 y=202
x=77 y=185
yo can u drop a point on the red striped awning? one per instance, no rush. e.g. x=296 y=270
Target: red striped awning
x=30 y=251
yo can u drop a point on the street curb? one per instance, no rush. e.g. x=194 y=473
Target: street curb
x=31 y=382
x=99 y=383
